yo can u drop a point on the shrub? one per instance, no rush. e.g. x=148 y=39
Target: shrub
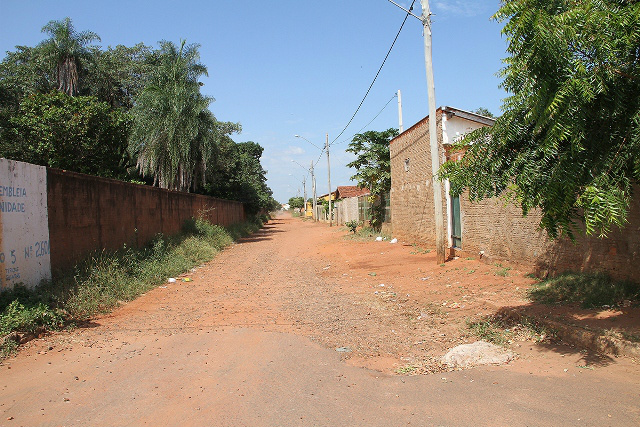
x=352 y=225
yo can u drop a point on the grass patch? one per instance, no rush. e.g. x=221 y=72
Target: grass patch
x=103 y=281
x=418 y=250
x=502 y=330
x=367 y=233
x=406 y=370
x=588 y=290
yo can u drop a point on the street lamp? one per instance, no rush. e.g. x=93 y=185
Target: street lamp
x=326 y=147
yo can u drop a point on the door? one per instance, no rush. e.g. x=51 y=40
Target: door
x=456 y=225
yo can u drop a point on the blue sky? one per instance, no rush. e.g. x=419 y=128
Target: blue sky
x=287 y=67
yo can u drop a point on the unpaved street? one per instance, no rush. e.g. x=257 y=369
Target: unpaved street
x=300 y=326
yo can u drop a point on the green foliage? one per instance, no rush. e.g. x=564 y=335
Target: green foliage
x=502 y=329
x=589 y=290
x=568 y=142
x=296 y=202
x=169 y=116
x=67 y=49
x=373 y=168
x=117 y=75
x=147 y=99
x=352 y=225
x=17 y=317
x=75 y=133
x=484 y=112
x=238 y=174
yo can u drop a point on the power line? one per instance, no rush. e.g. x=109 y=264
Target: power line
x=363 y=127
x=377 y=74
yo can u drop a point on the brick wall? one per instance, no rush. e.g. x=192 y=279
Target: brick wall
x=88 y=213
x=502 y=232
x=494 y=227
x=411 y=183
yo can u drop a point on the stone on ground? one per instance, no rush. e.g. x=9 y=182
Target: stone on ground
x=476 y=354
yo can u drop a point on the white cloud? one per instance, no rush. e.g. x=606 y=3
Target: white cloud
x=293 y=151
x=465 y=8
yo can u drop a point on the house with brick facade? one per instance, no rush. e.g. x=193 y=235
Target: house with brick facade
x=492 y=229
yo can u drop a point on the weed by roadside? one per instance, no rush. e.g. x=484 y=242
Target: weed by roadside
x=503 y=330
x=418 y=250
x=103 y=281
x=367 y=233
x=503 y=271
x=588 y=290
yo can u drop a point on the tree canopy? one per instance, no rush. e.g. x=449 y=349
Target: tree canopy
x=75 y=133
x=296 y=202
x=568 y=141
x=373 y=166
x=67 y=49
x=169 y=116
x=70 y=104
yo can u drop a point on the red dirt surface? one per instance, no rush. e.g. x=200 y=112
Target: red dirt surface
x=285 y=309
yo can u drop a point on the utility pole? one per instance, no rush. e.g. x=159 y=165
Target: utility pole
x=433 y=135
x=313 y=190
x=329 y=177
x=400 y=127
x=304 y=186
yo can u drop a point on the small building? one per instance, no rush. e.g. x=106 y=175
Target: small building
x=492 y=228
x=321 y=212
x=348 y=204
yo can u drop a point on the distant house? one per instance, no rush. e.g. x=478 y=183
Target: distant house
x=491 y=229
x=347 y=206
x=322 y=214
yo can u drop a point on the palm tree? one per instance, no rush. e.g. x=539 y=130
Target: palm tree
x=67 y=49
x=171 y=118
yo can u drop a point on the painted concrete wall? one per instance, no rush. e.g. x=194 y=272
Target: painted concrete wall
x=24 y=235
x=88 y=213
x=346 y=210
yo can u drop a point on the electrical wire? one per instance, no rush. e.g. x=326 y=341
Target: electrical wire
x=377 y=74
x=363 y=127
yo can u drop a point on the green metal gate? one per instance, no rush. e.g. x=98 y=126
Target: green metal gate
x=456 y=225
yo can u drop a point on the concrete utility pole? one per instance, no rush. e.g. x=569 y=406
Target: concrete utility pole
x=400 y=127
x=433 y=135
x=313 y=190
x=329 y=177
x=304 y=186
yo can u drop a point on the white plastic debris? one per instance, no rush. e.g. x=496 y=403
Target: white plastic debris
x=171 y=280
x=379 y=239
x=394 y=241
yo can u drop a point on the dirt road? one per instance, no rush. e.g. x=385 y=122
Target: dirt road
x=300 y=326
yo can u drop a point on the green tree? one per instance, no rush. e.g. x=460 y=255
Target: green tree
x=484 y=112
x=23 y=72
x=296 y=202
x=117 y=75
x=68 y=50
x=239 y=175
x=76 y=133
x=169 y=116
x=373 y=168
x=568 y=142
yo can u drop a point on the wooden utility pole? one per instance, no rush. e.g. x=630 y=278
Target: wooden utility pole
x=433 y=134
